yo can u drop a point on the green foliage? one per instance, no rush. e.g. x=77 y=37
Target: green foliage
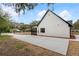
x=24 y=27
x=33 y=26
x=76 y=25
x=4 y=38
x=4 y=25
x=34 y=23
x=4 y=22
x=77 y=33
x=21 y=6
x=18 y=46
x=27 y=49
x=26 y=6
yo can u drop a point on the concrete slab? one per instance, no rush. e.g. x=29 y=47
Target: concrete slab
x=59 y=45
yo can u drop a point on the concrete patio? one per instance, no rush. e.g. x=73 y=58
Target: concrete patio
x=58 y=45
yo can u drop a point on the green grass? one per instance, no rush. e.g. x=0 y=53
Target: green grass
x=27 y=49
x=18 y=46
x=4 y=37
x=77 y=33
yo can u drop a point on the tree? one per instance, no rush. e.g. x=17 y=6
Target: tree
x=25 y=6
x=23 y=27
x=34 y=23
x=33 y=26
x=76 y=25
x=4 y=22
x=21 y=6
x=4 y=25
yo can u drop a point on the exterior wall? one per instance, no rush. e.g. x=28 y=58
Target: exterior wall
x=54 y=26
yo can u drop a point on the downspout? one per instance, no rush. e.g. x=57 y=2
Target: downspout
x=70 y=33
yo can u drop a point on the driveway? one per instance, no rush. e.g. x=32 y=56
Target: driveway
x=55 y=44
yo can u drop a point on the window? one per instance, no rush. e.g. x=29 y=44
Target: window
x=42 y=30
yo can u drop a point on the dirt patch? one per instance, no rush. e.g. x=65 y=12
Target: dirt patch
x=14 y=47
x=73 y=49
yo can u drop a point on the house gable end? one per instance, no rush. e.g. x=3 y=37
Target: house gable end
x=55 y=15
x=43 y=17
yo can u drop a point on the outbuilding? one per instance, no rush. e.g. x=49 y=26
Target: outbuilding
x=53 y=25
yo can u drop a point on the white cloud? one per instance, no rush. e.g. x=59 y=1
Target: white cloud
x=65 y=15
x=40 y=14
x=9 y=10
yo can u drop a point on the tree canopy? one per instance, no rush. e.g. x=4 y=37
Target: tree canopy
x=34 y=23
x=76 y=25
x=4 y=22
x=25 y=6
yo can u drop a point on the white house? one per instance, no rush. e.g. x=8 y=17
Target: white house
x=53 y=25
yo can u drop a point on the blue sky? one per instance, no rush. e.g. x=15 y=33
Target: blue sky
x=68 y=11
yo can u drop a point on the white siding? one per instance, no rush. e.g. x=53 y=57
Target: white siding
x=54 y=26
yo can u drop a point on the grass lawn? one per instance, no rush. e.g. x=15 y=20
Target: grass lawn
x=77 y=33
x=4 y=38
